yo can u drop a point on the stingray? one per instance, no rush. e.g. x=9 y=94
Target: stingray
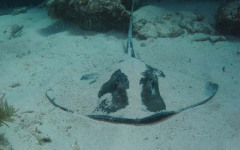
x=137 y=93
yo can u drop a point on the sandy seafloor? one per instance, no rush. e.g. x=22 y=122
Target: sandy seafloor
x=50 y=52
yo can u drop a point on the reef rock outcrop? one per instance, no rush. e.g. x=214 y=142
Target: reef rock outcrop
x=228 y=17
x=95 y=15
x=154 y=21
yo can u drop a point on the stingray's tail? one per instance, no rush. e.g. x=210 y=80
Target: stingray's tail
x=129 y=41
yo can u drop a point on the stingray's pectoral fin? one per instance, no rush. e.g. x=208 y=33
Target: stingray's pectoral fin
x=52 y=101
x=211 y=90
x=105 y=106
x=150 y=94
x=156 y=71
x=113 y=93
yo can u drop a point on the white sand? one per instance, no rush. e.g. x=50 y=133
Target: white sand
x=49 y=54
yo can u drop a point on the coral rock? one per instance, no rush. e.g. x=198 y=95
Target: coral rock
x=228 y=17
x=155 y=21
x=96 y=15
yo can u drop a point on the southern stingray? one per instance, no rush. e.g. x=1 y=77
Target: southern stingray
x=137 y=93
